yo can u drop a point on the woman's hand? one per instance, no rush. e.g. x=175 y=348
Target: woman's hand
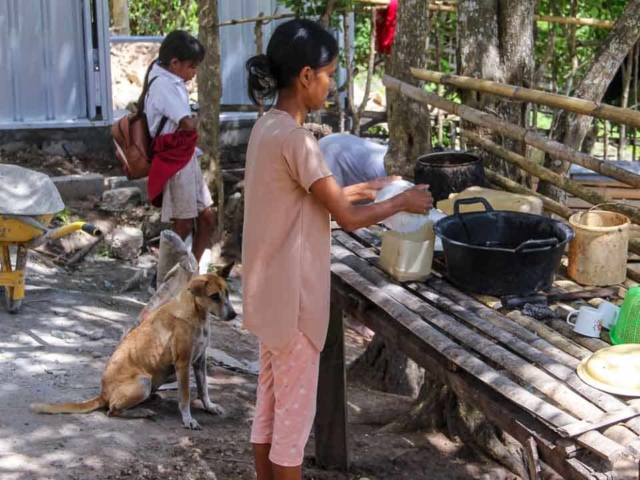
x=418 y=199
x=188 y=123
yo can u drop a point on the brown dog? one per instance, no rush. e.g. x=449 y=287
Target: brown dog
x=160 y=350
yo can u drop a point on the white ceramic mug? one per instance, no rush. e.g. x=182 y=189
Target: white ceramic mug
x=589 y=322
x=609 y=313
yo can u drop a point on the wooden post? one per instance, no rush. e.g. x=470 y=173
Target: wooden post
x=358 y=112
x=627 y=75
x=533 y=460
x=331 y=414
x=606 y=140
x=346 y=17
x=257 y=30
x=636 y=63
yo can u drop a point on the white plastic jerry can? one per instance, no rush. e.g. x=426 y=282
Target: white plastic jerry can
x=408 y=256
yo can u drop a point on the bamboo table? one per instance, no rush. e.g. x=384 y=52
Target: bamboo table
x=520 y=372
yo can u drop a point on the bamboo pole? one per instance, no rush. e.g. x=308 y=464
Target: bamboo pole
x=553 y=100
x=627 y=74
x=514 y=187
x=589 y=22
x=256 y=19
x=548 y=204
x=516 y=132
x=559 y=181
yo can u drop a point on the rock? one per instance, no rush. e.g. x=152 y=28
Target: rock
x=153 y=225
x=125 y=242
x=63 y=148
x=120 y=199
x=59 y=334
x=218 y=357
x=96 y=335
x=71 y=243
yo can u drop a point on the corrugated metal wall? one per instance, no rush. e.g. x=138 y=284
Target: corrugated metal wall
x=51 y=62
x=237 y=44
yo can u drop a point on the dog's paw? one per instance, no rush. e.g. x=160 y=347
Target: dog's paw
x=214 y=409
x=192 y=424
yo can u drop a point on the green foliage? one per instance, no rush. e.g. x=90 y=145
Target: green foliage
x=587 y=39
x=159 y=17
x=63 y=216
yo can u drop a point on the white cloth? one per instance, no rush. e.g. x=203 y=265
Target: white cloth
x=352 y=159
x=186 y=193
x=168 y=97
x=25 y=192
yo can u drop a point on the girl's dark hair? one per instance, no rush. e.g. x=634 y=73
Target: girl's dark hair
x=180 y=45
x=294 y=45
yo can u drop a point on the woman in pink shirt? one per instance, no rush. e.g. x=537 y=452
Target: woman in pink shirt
x=290 y=198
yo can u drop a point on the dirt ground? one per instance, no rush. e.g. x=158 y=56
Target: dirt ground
x=55 y=349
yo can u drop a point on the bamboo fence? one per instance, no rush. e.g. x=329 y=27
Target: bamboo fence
x=586 y=22
x=576 y=105
x=486 y=120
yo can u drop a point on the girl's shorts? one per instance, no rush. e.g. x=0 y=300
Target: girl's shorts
x=186 y=194
x=286 y=404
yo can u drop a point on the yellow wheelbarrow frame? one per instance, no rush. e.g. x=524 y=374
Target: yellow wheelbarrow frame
x=24 y=232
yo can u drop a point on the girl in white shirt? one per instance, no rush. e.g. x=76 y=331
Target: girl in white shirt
x=186 y=201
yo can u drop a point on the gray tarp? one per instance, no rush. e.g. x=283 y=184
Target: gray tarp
x=26 y=192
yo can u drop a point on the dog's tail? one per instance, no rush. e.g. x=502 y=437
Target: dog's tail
x=83 y=407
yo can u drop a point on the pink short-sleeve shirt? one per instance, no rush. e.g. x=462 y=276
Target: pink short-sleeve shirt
x=286 y=248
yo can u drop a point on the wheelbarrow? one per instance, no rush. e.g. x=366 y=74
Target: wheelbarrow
x=28 y=203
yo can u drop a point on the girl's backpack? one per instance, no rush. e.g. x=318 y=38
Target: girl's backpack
x=133 y=142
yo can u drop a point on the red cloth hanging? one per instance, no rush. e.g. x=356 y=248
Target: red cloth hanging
x=171 y=153
x=386 y=27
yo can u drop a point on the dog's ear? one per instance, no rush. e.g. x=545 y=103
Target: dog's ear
x=226 y=270
x=197 y=286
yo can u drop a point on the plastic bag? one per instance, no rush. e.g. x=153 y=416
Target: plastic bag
x=402 y=222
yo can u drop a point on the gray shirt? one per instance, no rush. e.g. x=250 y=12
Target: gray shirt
x=352 y=159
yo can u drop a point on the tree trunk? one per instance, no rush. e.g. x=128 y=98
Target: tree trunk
x=120 y=16
x=326 y=14
x=385 y=368
x=409 y=122
x=573 y=128
x=209 y=94
x=507 y=57
x=518 y=63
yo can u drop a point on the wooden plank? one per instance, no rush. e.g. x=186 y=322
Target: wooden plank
x=525 y=371
x=603 y=421
x=568 y=375
x=535 y=329
x=330 y=426
x=552 y=364
x=533 y=460
x=465 y=385
x=414 y=325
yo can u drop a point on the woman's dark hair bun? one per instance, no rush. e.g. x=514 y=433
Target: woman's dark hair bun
x=262 y=81
x=294 y=45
